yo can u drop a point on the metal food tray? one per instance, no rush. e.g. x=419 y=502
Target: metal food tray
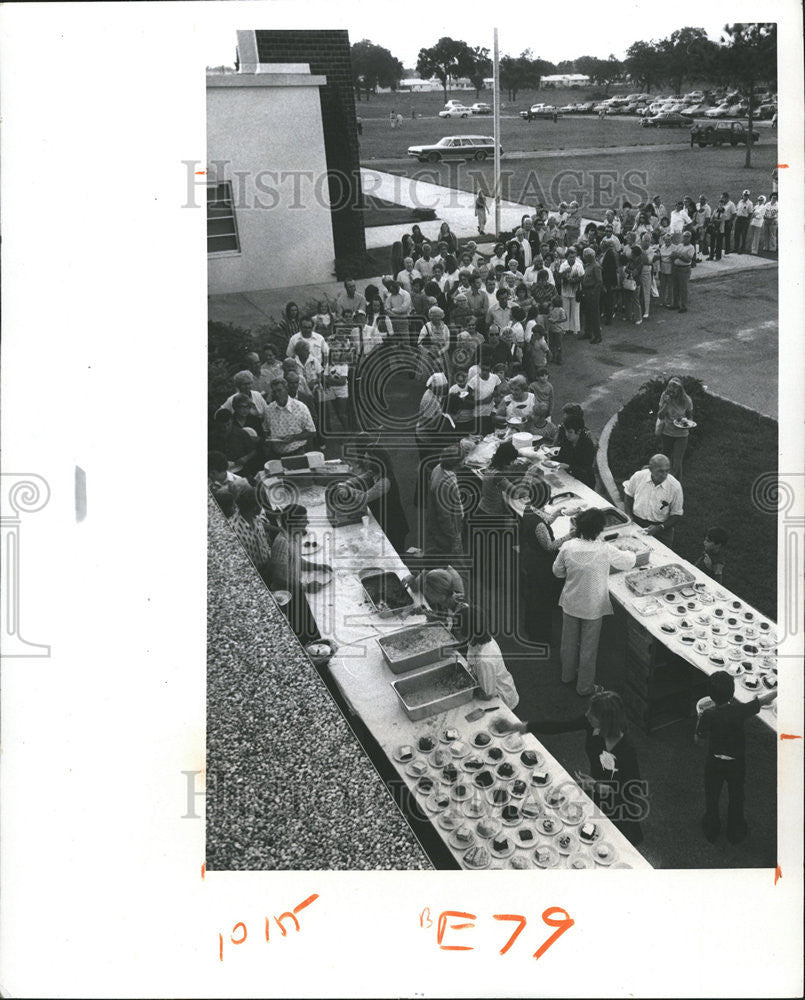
x=620 y=520
x=401 y=664
x=387 y=612
x=446 y=670
x=664 y=586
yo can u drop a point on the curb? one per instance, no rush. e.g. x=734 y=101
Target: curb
x=601 y=460
x=743 y=406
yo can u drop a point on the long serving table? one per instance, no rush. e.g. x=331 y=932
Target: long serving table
x=713 y=605
x=529 y=818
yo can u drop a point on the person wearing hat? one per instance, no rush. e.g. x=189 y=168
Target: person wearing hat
x=743 y=213
x=756 y=225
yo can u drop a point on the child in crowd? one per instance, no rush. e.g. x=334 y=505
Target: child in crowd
x=538 y=351
x=711 y=561
x=543 y=390
x=557 y=318
x=486 y=662
x=722 y=720
x=461 y=403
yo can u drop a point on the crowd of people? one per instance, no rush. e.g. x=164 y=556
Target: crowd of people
x=481 y=335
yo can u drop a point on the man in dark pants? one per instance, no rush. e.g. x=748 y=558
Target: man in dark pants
x=722 y=719
x=729 y=218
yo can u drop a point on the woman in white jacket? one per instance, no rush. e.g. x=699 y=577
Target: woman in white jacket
x=571 y=272
x=756 y=225
x=584 y=563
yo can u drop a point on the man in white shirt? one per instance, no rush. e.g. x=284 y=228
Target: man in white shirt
x=424 y=263
x=349 y=300
x=525 y=247
x=407 y=275
x=743 y=213
x=290 y=424
x=244 y=384
x=319 y=350
x=532 y=273
x=730 y=211
x=679 y=219
x=654 y=499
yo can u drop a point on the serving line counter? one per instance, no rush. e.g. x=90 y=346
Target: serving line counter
x=496 y=801
x=692 y=616
x=492 y=807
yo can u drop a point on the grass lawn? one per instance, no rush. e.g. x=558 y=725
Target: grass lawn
x=726 y=453
x=599 y=181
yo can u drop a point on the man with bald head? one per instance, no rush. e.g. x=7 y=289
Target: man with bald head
x=654 y=499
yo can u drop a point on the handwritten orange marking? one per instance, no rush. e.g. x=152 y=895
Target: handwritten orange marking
x=306 y=902
x=441 y=926
x=778 y=874
x=789 y=736
x=267 y=926
x=423 y=918
x=232 y=936
x=220 y=947
x=782 y=166
x=563 y=924
x=279 y=923
x=198 y=172
x=203 y=869
x=510 y=916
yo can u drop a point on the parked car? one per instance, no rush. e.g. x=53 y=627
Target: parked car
x=585 y=108
x=456 y=111
x=720 y=111
x=451 y=147
x=766 y=111
x=734 y=133
x=665 y=119
x=541 y=111
x=454 y=104
x=479 y=108
x=694 y=110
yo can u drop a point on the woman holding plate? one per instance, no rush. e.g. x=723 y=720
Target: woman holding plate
x=673 y=423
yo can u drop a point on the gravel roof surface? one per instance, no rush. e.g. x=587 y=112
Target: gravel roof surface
x=288 y=784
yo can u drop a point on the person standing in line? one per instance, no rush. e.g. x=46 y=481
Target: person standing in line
x=584 y=563
x=756 y=226
x=682 y=260
x=480 y=212
x=730 y=211
x=571 y=272
x=679 y=219
x=770 y=224
x=666 y=253
x=609 y=278
x=743 y=213
x=591 y=286
x=445 y=512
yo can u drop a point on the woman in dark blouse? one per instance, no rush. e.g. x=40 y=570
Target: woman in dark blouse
x=538 y=549
x=614 y=782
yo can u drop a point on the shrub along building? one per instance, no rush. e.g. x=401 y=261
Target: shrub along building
x=284 y=194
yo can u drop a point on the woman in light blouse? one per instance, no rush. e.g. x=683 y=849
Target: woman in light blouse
x=584 y=563
x=756 y=225
x=770 y=223
x=675 y=403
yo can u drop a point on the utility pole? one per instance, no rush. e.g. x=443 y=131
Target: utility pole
x=496 y=123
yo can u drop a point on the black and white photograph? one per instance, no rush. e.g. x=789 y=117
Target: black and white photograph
x=402 y=499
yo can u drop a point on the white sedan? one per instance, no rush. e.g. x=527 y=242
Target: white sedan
x=456 y=111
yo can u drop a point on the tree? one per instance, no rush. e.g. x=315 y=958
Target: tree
x=603 y=71
x=522 y=73
x=644 y=63
x=373 y=67
x=446 y=59
x=687 y=54
x=749 y=53
x=476 y=65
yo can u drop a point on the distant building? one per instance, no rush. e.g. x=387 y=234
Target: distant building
x=283 y=171
x=566 y=80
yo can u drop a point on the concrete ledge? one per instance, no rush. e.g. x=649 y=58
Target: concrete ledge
x=602 y=461
x=265 y=80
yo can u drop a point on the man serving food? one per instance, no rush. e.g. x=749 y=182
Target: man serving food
x=653 y=499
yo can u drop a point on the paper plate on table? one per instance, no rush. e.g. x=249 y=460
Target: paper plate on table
x=532 y=758
x=498 y=797
x=459 y=748
x=567 y=842
x=462 y=837
x=518 y=789
x=417 y=768
x=450 y=819
x=719 y=628
x=686 y=624
x=477 y=857
x=511 y=815
x=719 y=642
x=735 y=654
x=460 y=791
x=437 y=802
x=506 y=771
x=495 y=755
x=472 y=764
x=549 y=826
x=572 y=813
x=531 y=808
x=425 y=785
x=546 y=856
x=751 y=682
x=525 y=837
x=556 y=798
x=701 y=646
x=736 y=638
x=668 y=628
x=426 y=743
x=717 y=660
x=475 y=808
x=404 y=754
x=501 y=846
x=488 y=827
x=577 y=862
x=705 y=598
x=440 y=758
x=688 y=640
x=513 y=743
x=603 y=853
x=519 y=862
x=482 y=739
x=450 y=736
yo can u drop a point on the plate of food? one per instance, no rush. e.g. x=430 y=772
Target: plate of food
x=686 y=624
x=735 y=668
x=501 y=846
x=540 y=778
x=705 y=598
x=736 y=638
x=475 y=807
x=483 y=779
x=556 y=798
x=518 y=788
x=531 y=758
x=578 y=862
x=524 y=836
x=750 y=649
x=720 y=614
x=717 y=628
x=472 y=764
x=477 y=857
x=511 y=815
x=498 y=797
x=519 y=862
x=460 y=791
x=668 y=627
x=685 y=423
x=679 y=610
x=500 y=727
x=424 y=786
x=701 y=646
x=687 y=640
x=449 y=775
x=647 y=605
x=567 y=842
x=506 y=771
x=513 y=743
x=459 y=749
x=531 y=808
x=703 y=618
x=732 y=622
x=439 y=758
x=751 y=682
x=571 y=813
x=487 y=827
x=495 y=755
x=546 y=856
x=549 y=826
x=719 y=642
x=734 y=653
x=603 y=853
x=481 y=739
x=716 y=659
x=736 y=605
x=437 y=802
x=450 y=736
x=404 y=754
x=769 y=681
x=450 y=819
x=589 y=832
x=417 y=768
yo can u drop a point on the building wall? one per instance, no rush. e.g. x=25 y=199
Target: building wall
x=328 y=53
x=257 y=124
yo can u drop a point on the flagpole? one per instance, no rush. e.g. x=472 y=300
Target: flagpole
x=496 y=122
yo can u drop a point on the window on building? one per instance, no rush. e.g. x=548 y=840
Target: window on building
x=222 y=228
